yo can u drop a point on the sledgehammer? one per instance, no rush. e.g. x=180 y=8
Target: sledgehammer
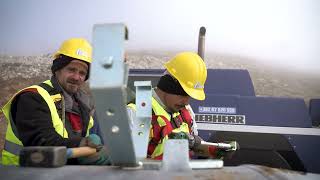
x=51 y=156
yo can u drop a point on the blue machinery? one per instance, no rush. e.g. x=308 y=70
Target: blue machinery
x=271 y=131
x=275 y=127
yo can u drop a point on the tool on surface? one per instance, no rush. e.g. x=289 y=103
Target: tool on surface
x=51 y=156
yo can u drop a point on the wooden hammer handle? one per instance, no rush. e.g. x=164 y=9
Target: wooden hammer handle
x=80 y=152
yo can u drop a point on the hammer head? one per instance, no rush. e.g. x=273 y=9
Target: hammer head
x=43 y=156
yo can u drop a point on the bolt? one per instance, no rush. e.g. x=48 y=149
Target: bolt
x=110 y=112
x=115 y=129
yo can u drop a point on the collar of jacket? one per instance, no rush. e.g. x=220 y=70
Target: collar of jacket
x=157 y=98
x=81 y=97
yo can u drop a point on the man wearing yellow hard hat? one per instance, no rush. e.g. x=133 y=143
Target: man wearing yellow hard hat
x=184 y=78
x=172 y=116
x=57 y=112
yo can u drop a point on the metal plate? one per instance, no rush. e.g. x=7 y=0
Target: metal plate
x=141 y=125
x=108 y=85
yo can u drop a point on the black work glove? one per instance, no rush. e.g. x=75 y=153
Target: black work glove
x=100 y=157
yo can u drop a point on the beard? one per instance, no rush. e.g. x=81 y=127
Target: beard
x=72 y=86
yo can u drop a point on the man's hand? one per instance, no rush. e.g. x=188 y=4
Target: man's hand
x=207 y=149
x=100 y=157
x=228 y=153
x=193 y=140
x=179 y=135
x=234 y=145
x=92 y=140
x=216 y=150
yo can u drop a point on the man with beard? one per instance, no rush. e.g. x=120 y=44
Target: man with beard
x=172 y=116
x=57 y=112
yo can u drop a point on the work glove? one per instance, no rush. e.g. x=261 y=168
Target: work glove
x=205 y=151
x=178 y=135
x=92 y=140
x=193 y=140
x=215 y=152
x=100 y=157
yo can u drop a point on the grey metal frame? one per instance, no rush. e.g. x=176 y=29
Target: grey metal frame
x=126 y=139
x=141 y=124
x=108 y=80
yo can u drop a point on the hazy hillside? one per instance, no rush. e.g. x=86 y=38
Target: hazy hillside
x=19 y=72
x=269 y=80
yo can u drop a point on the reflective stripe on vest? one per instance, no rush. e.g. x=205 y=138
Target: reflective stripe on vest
x=12 y=147
x=56 y=98
x=162 y=117
x=9 y=154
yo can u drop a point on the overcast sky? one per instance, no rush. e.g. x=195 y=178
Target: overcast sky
x=285 y=31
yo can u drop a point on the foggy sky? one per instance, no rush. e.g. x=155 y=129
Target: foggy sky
x=282 y=31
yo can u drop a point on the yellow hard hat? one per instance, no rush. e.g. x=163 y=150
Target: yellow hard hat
x=77 y=48
x=191 y=72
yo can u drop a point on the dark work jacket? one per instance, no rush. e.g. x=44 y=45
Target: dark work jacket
x=32 y=117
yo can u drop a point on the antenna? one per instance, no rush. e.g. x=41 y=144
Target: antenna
x=201 y=42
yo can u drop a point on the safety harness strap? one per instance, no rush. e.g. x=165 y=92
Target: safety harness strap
x=157 y=129
x=186 y=117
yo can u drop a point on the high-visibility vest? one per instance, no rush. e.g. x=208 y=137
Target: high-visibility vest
x=13 y=145
x=161 y=127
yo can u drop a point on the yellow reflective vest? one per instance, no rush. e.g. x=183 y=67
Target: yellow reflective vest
x=13 y=145
x=162 y=117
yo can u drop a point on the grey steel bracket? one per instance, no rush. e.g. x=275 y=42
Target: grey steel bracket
x=142 y=121
x=176 y=155
x=176 y=159
x=108 y=80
